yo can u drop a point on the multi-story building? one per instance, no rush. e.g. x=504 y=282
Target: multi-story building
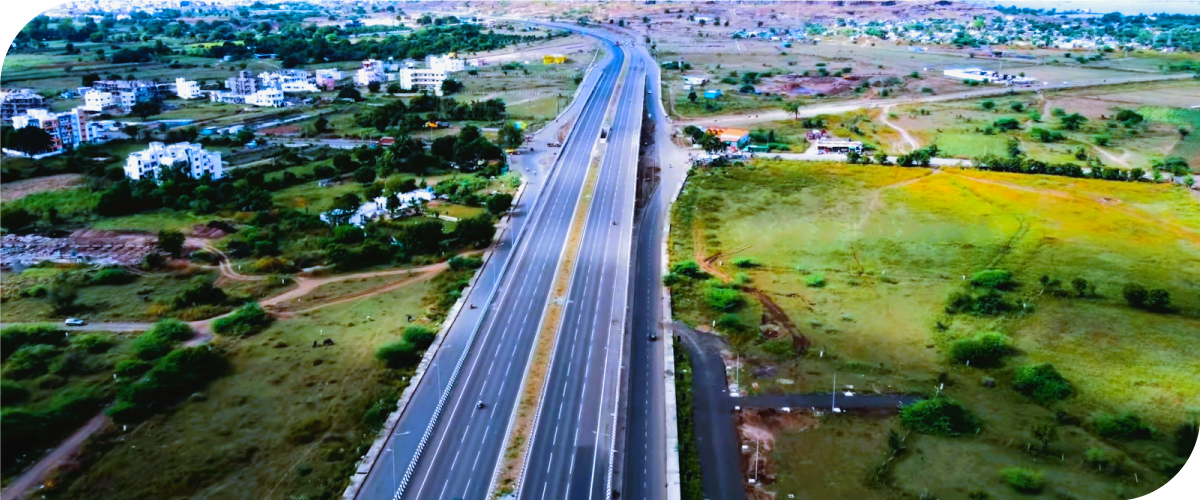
x=226 y=97
x=95 y=100
x=288 y=80
x=193 y=158
x=371 y=71
x=15 y=103
x=266 y=97
x=448 y=63
x=67 y=130
x=429 y=79
x=245 y=83
x=142 y=91
x=327 y=79
x=187 y=89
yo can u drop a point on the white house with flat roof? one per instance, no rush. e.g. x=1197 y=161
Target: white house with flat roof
x=988 y=76
x=95 y=100
x=187 y=89
x=266 y=97
x=447 y=63
x=431 y=79
x=196 y=162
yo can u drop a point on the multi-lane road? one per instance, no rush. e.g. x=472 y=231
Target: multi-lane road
x=571 y=449
x=456 y=454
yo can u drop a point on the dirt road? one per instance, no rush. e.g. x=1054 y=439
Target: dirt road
x=32 y=478
x=883 y=117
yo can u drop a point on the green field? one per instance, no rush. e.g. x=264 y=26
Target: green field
x=891 y=244
x=287 y=422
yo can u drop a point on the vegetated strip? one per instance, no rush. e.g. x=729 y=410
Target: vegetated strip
x=671 y=393
x=525 y=413
x=689 y=454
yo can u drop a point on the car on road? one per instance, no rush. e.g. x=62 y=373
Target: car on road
x=554 y=144
x=74 y=322
x=653 y=336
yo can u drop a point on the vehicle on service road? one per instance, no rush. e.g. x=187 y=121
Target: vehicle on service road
x=74 y=322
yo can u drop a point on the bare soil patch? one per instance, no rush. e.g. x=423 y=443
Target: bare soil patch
x=20 y=189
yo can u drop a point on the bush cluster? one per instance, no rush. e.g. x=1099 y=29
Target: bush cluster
x=722 y=297
x=173 y=377
x=159 y=341
x=1024 y=480
x=16 y=336
x=1125 y=426
x=940 y=417
x=983 y=350
x=1042 y=383
x=244 y=322
x=406 y=351
x=27 y=431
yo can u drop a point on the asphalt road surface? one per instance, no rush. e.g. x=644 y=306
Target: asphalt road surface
x=571 y=448
x=460 y=455
x=645 y=449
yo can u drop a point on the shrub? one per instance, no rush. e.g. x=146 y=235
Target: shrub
x=202 y=290
x=721 y=298
x=1126 y=426
x=1104 y=460
x=731 y=323
x=94 y=343
x=997 y=279
x=459 y=263
x=111 y=276
x=159 y=341
x=16 y=336
x=983 y=350
x=745 y=262
x=1024 y=480
x=940 y=417
x=988 y=302
x=815 y=281
x=1158 y=300
x=671 y=279
x=780 y=348
x=245 y=321
x=419 y=336
x=30 y=361
x=398 y=354
x=174 y=377
x=689 y=268
x=132 y=368
x=1042 y=382
x=12 y=393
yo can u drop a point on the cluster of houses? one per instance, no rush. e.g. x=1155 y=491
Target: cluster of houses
x=194 y=159
x=24 y=108
x=408 y=75
x=988 y=76
x=267 y=89
x=1006 y=30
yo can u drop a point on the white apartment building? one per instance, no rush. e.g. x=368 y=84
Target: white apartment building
x=429 y=79
x=448 y=63
x=196 y=161
x=126 y=99
x=288 y=80
x=187 y=89
x=988 y=76
x=225 y=97
x=266 y=97
x=95 y=100
x=371 y=71
x=327 y=79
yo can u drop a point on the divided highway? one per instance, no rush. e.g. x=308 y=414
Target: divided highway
x=459 y=456
x=571 y=451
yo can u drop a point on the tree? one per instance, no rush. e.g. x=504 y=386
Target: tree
x=450 y=86
x=171 y=242
x=881 y=158
x=62 y=295
x=393 y=88
x=373 y=87
x=321 y=125
x=711 y=143
x=499 y=203
x=853 y=157
x=987 y=104
x=792 y=107
x=146 y=109
x=365 y=175
x=510 y=136
x=1135 y=295
x=1072 y=121
x=475 y=231
x=1080 y=285
x=692 y=96
x=350 y=93
x=1158 y=300
x=88 y=79
x=29 y=140
x=1044 y=433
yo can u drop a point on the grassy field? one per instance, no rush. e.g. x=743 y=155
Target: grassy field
x=288 y=422
x=959 y=128
x=890 y=244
